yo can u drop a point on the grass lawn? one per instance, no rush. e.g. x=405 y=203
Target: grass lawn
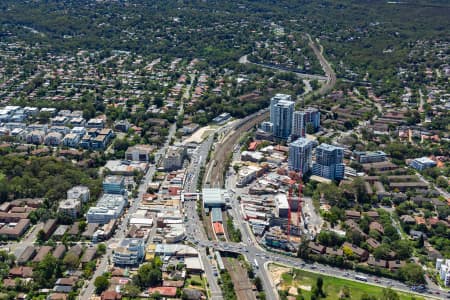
x=195 y=282
x=333 y=286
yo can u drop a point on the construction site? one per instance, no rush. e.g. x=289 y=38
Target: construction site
x=270 y=197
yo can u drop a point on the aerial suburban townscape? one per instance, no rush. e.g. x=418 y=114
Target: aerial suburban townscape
x=224 y=149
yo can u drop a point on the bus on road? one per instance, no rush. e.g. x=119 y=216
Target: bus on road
x=256 y=263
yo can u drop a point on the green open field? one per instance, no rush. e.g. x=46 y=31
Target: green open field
x=333 y=286
x=195 y=282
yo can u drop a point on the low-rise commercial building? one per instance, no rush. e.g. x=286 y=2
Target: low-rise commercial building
x=125 y=167
x=247 y=174
x=139 y=153
x=369 y=157
x=422 y=163
x=110 y=206
x=114 y=184
x=213 y=197
x=129 y=252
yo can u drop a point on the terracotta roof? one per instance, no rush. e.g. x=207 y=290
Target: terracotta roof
x=111 y=295
x=377 y=227
x=419 y=220
x=395 y=264
x=165 y=291
x=352 y=214
x=25 y=272
x=316 y=247
x=376 y=262
x=9 y=282
x=66 y=281
x=373 y=243
x=331 y=251
x=218 y=228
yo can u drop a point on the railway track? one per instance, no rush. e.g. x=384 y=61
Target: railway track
x=215 y=170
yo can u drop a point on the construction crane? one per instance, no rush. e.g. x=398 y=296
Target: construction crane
x=297 y=177
x=289 y=213
x=300 y=201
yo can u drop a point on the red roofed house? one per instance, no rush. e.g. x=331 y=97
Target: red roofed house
x=253 y=146
x=24 y=272
x=165 y=291
x=420 y=220
x=111 y=295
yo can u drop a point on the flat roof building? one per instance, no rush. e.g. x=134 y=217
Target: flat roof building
x=70 y=207
x=139 y=153
x=173 y=160
x=300 y=155
x=79 y=192
x=213 y=197
x=129 y=252
x=114 y=184
x=216 y=215
x=369 y=157
x=305 y=121
x=329 y=162
x=281 y=113
x=109 y=207
x=422 y=163
x=282 y=205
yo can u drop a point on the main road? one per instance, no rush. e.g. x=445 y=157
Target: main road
x=254 y=253
x=120 y=233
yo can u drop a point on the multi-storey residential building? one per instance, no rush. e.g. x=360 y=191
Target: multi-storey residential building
x=281 y=111
x=59 y=121
x=95 y=123
x=79 y=192
x=80 y=131
x=130 y=252
x=174 y=158
x=35 y=137
x=300 y=155
x=60 y=129
x=78 y=122
x=70 y=207
x=309 y=117
x=267 y=126
x=51 y=111
x=71 y=140
x=38 y=127
x=443 y=267
x=122 y=125
x=53 y=139
x=329 y=162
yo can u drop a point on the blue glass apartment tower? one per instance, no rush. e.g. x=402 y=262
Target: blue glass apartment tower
x=329 y=162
